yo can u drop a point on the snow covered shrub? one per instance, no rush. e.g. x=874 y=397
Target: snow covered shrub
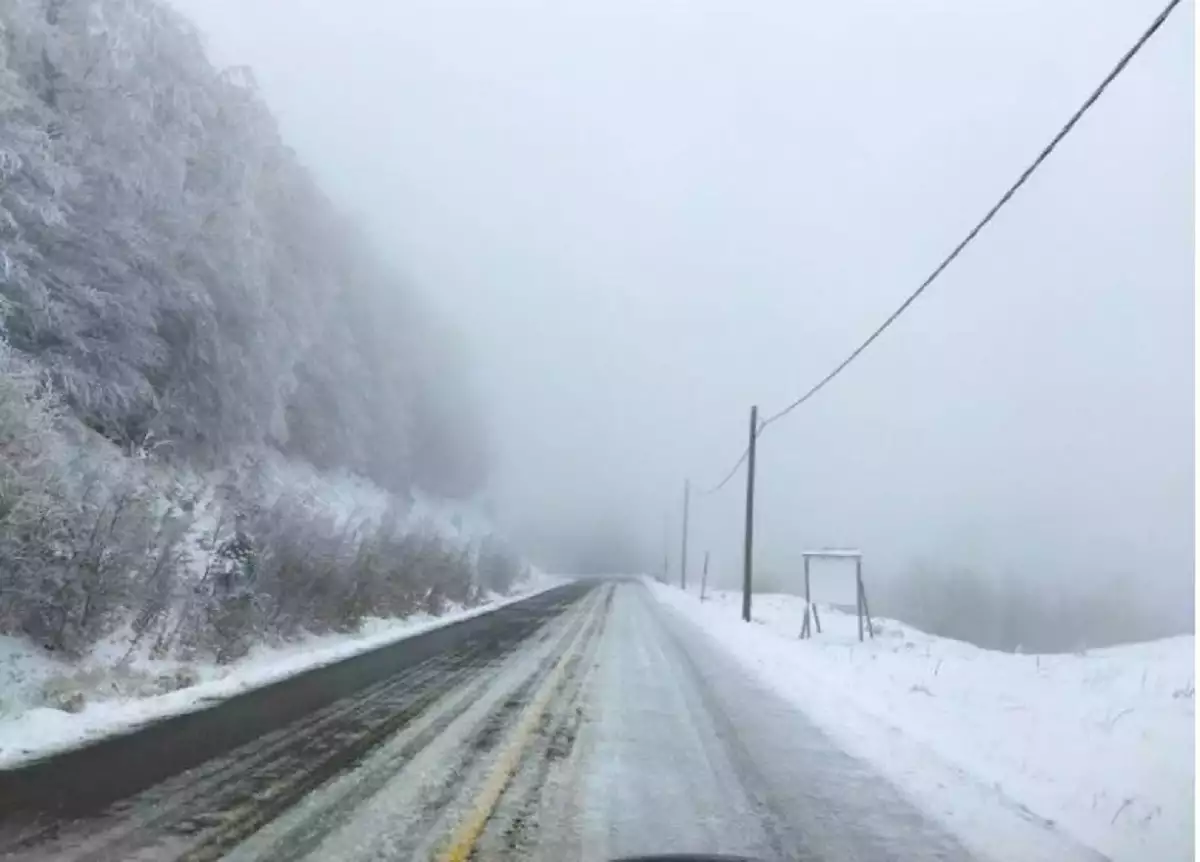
x=445 y=573
x=31 y=513
x=107 y=545
x=92 y=541
x=270 y=570
x=499 y=567
x=84 y=534
x=405 y=570
x=289 y=566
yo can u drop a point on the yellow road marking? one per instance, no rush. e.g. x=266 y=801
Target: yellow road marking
x=471 y=827
x=233 y=819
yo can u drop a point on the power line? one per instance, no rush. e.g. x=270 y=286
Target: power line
x=958 y=249
x=1005 y=198
x=732 y=472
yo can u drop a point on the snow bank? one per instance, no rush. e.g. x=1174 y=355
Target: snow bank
x=23 y=671
x=1100 y=744
x=117 y=691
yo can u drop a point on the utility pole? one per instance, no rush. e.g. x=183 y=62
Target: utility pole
x=687 y=494
x=704 y=577
x=666 y=569
x=748 y=560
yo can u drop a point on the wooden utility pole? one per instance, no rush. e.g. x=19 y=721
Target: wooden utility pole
x=704 y=577
x=666 y=569
x=858 y=596
x=748 y=560
x=687 y=494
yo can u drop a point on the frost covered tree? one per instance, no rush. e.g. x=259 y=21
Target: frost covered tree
x=181 y=277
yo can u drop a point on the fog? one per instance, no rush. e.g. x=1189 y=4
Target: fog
x=645 y=217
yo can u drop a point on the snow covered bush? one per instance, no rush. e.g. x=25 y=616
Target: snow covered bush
x=499 y=566
x=83 y=532
x=303 y=571
x=93 y=541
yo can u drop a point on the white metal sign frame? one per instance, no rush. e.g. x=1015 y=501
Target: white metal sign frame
x=860 y=593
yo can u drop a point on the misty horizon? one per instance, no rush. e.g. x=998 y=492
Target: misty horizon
x=641 y=220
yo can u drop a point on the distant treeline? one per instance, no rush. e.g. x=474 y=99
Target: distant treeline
x=1018 y=614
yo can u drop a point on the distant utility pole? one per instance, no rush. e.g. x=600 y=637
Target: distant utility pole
x=666 y=570
x=687 y=494
x=704 y=577
x=748 y=560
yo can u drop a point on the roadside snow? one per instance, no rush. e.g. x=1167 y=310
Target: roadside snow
x=119 y=692
x=1100 y=744
x=23 y=671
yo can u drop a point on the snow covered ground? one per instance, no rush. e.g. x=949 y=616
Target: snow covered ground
x=115 y=692
x=1100 y=744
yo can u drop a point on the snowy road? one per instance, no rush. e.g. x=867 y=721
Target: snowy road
x=615 y=728
x=681 y=753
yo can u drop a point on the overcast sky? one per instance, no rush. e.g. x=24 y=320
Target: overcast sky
x=645 y=216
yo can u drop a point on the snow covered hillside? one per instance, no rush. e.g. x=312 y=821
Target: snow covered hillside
x=1099 y=744
x=227 y=423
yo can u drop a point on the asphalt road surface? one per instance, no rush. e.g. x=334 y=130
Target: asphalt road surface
x=593 y=726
